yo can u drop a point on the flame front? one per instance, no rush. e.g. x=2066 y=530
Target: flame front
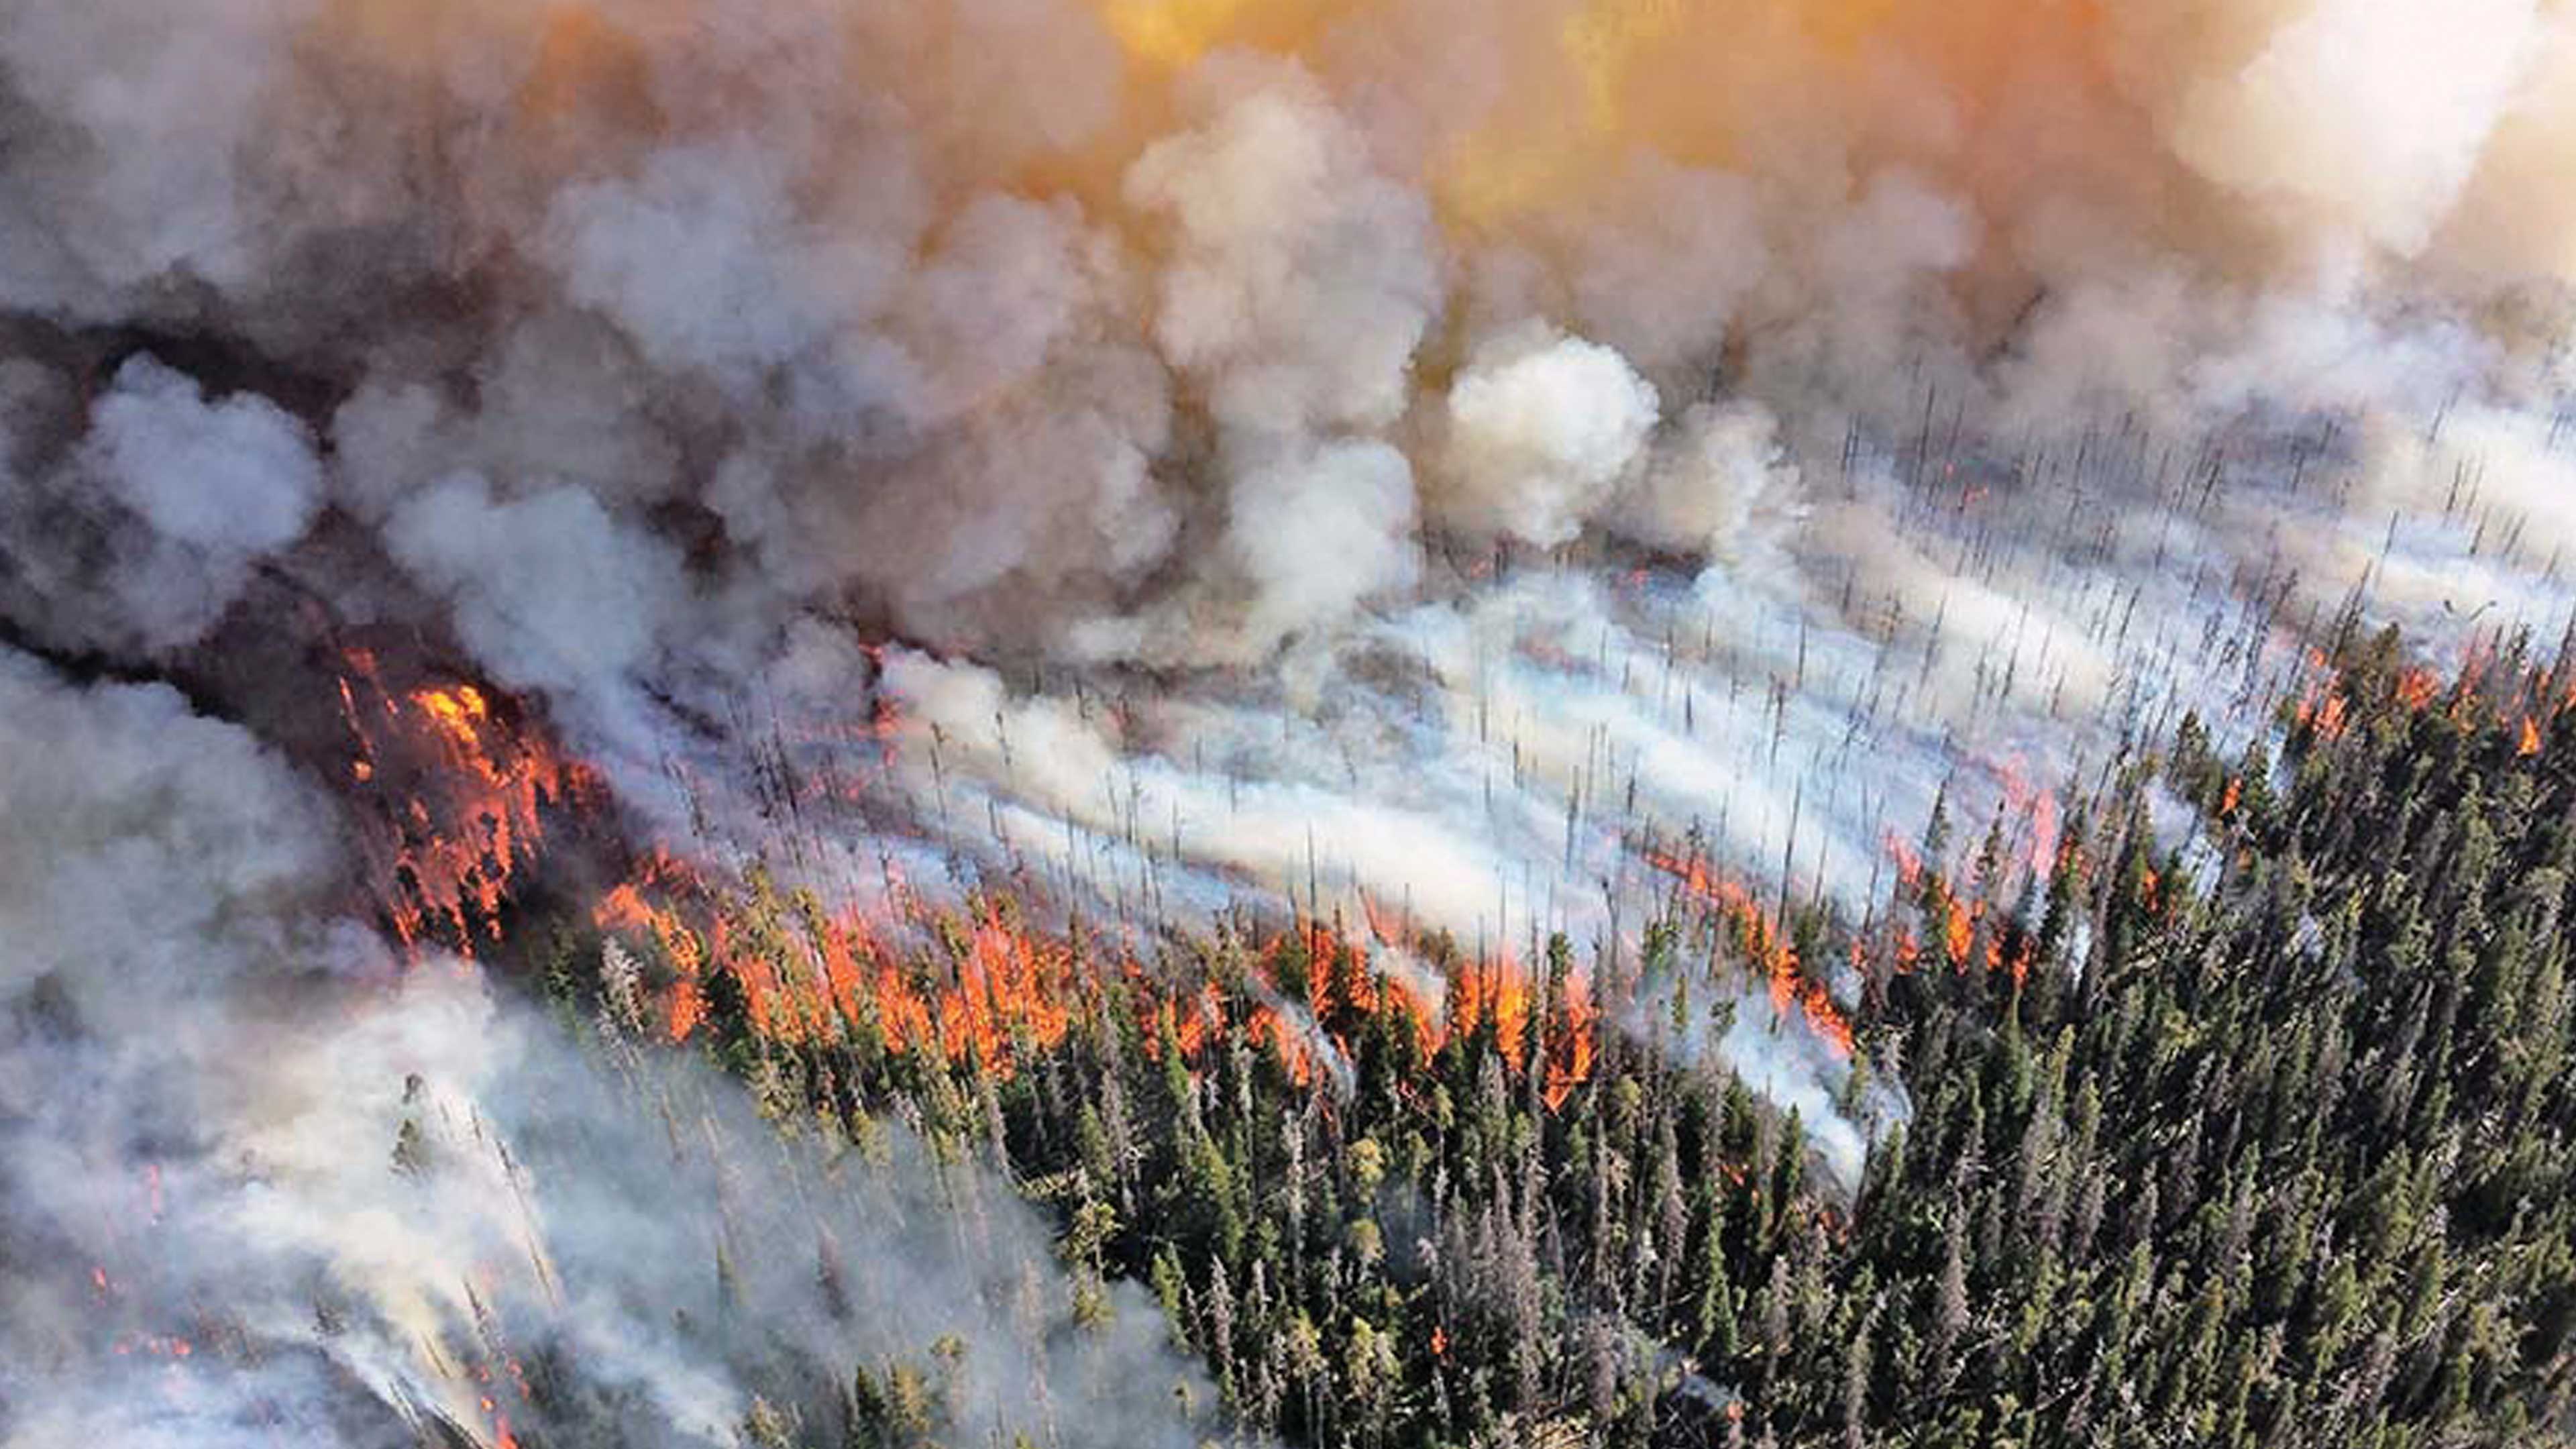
x=458 y=797
x=1795 y=995
x=975 y=984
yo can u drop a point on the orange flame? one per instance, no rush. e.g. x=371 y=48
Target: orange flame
x=979 y=985
x=1909 y=862
x=2415 y=688
x=2323 y=716
x=459 y=795
x=1794 y=993
x=1955 y=931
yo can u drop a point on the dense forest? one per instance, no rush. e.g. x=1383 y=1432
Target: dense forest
x=2244 y=1121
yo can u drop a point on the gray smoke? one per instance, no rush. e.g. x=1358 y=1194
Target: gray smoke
x=263 y=1182
x=1397 y=452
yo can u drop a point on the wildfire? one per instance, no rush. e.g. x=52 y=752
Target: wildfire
x=2324 y=712
x=2466 y=701
x=458 y=712
x=1958 y=930
x=1953 y=919
x=2036 y=805
x=1794 y=993
x=1909 y=861
x=1499 y=993
x=975 y=983
x=459 y=794
x=2415 y=688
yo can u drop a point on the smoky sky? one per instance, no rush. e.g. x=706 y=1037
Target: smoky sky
x=1400 y=453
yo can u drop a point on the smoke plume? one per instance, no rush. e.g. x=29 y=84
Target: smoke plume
x=1325 y=455
x=263 y=1182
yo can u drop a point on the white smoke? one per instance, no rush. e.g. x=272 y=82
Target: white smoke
x=1722 y=489
x=1541 y=432
x=2369 y=113
x=1902 y=398
x=552 y=593
x=1300 y=282
x=260 y=1180
x=1317 y=535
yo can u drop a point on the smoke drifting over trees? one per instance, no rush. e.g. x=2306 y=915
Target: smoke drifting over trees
x=371 y=1196
x=1363 y=460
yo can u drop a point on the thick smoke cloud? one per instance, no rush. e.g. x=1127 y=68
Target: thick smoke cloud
x=1299 y=281
x=2367 y=118
x=552 y=593
x=1025 y=375
x=1541 y=431
x=142 y=537
x=1387 y=451
x=1722 y=489
x=261 y=1182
